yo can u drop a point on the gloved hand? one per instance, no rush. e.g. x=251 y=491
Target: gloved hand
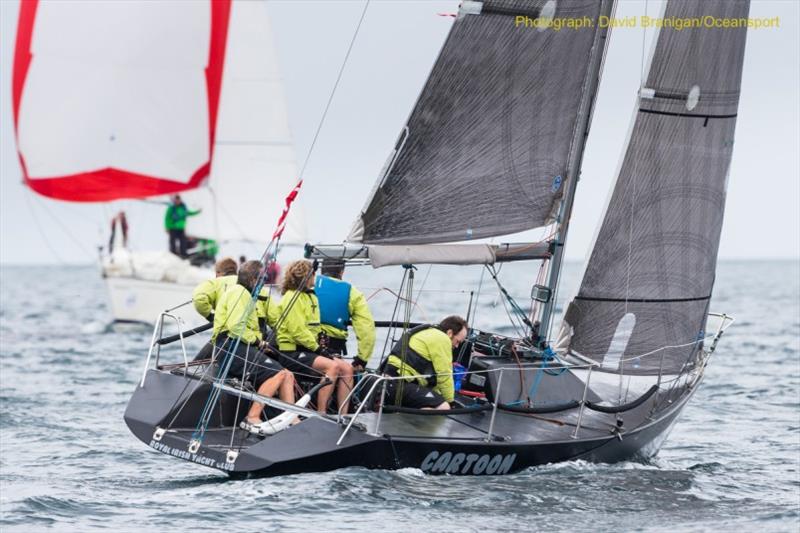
x=210 y=317
x=324 y=352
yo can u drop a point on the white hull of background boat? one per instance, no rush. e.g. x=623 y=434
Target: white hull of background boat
x=141 y=301
x=142 y=285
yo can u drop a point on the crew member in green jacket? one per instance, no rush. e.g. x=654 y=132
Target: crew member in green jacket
x=298 y=332
x=429 y=351
x=339 y=304
x=235 y=326
x=208 y=293
x=175 y=224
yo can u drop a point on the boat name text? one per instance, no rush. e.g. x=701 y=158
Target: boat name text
x=462 y=463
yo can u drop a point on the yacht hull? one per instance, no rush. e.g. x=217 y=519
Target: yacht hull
x=454 y=444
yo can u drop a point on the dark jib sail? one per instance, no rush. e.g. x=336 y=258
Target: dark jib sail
x=649 y=278
x=486 y=149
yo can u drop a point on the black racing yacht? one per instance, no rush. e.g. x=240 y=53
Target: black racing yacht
x=493 y=147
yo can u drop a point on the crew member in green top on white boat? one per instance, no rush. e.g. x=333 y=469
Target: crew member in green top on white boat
x=175 y=224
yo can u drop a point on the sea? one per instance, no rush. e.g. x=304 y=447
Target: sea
x=69 y=463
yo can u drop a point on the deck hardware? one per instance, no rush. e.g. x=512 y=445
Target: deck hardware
x=158 y=433
x=494 y=409
x=194 y=446
x=541 y=293
x=583 y=403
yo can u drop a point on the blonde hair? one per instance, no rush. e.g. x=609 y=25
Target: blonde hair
x=296 y=276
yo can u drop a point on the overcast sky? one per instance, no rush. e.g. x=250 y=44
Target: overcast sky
x=393 y=54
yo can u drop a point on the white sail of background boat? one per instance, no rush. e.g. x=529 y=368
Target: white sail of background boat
x=133 y=100
x=493 y=146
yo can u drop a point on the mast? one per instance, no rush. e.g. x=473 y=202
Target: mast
x=573 y=174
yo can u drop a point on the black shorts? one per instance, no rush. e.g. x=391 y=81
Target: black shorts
x=412 y=394
x=300 y=362
x=337 y=345
x=249 y=363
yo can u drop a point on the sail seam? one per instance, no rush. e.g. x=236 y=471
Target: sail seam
x=691 y=115
x=643 y=300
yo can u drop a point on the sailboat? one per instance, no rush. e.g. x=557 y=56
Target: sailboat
x=493 y=146
x=117 y=101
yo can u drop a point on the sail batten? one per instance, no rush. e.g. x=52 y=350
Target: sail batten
x=487 y=147
x=655 y=253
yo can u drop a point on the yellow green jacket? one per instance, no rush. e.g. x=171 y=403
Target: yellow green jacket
x=434 y=345
x=207 y=294
x=300 y=325
x=231 y=315
x=363 y=325
x=267 y=307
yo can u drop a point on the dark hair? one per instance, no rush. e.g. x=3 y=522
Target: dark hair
x=453 y=323
x=248 y=274
x=226 y=267
x=333 y=268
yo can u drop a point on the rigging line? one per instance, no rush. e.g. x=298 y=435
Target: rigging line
x=41 y=230
x=333 y=91
x=66 y=231
x=644 y=38
x=390 y=331
x=419 y=291
x=213 y=396
x=398 y=297
x=406 y=339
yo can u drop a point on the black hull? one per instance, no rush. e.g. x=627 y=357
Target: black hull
x=311 y=445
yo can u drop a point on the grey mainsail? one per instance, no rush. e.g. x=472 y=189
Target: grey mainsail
x=644 y=296
x=486 y=150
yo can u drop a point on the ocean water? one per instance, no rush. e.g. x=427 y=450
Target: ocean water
x=69 y=463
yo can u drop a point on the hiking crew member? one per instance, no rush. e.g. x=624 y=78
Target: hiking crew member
x=232 y=322
x=175 y=224
x=208 y=293
x=298 y=332
x=340 y=303
x=429 y=350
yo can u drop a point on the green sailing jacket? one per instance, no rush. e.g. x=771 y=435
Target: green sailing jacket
x=231 y=316
x=206 y=296
x=434 y=345
x=208 y=293
x=363 y=325
x=300 y=325
x=176 y=216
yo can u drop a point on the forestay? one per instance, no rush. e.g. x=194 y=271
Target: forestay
x=486 y=148
x=648 y=281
